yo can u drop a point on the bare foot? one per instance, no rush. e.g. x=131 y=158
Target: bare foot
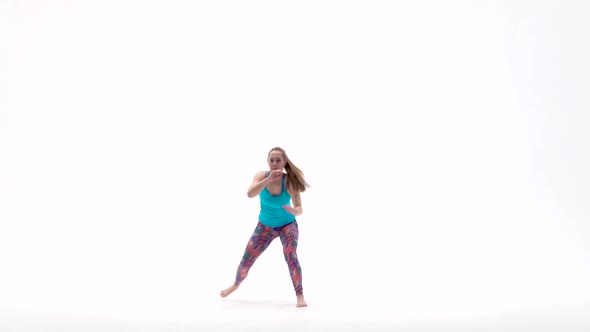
x=228 y=290
x=301 y=301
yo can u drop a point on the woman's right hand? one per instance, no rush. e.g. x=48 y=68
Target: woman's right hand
x=275 y=175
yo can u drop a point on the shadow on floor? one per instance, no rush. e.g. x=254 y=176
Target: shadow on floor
x=267 y=304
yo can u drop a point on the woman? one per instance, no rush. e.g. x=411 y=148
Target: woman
x=276 y=218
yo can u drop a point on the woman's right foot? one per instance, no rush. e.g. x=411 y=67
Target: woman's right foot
x=228 y=290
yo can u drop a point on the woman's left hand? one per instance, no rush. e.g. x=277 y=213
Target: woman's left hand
x=290 y=209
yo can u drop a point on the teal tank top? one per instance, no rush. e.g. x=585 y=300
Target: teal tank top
x=272 y=213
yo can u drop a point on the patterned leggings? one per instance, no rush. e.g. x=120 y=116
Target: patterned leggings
x=261 y=239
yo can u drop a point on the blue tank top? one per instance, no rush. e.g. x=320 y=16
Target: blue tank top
x=272 y=213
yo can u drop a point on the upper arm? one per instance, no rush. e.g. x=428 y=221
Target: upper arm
x=296 y=197
x=253 y=190
x=259 y=176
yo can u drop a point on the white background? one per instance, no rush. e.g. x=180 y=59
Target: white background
x=445 y=144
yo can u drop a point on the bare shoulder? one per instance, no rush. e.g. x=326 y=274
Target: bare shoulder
x=260 y=175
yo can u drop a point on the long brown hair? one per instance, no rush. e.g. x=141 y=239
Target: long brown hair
x=295 y=178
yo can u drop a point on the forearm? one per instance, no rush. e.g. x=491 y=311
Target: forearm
x=254 y=190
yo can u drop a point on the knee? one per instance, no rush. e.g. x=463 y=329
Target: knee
x=290 y=255
x=289 y=250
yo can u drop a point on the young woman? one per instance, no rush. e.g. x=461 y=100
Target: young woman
x=276 y=219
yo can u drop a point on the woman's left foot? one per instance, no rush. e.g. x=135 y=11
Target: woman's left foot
x=301 y=301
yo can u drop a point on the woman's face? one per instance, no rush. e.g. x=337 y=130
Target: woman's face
x=276 y=161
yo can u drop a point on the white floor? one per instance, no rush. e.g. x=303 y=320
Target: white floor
x=242 y=314
x=409 y=291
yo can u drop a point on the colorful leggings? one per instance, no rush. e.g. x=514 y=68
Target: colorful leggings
x=261 y=239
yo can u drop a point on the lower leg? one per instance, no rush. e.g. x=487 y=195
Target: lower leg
x=294 y=271
x=289 y=238
x=259 y=241
x=296 y=277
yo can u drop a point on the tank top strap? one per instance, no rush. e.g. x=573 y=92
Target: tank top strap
x=283 y=183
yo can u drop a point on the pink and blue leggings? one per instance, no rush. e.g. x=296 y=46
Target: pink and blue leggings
x=260 y=240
